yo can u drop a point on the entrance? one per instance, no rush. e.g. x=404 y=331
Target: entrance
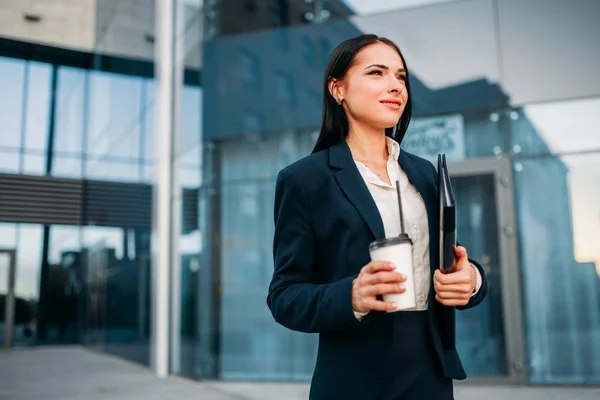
x=489 y=337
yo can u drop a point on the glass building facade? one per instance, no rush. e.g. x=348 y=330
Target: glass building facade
x=506 y=88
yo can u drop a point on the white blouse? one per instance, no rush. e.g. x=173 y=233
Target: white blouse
x=415 y=216
x=416 y=224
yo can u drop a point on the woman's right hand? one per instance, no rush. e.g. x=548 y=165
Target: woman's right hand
x=375 y=278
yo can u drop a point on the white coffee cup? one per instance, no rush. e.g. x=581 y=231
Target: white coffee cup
x=398 y=250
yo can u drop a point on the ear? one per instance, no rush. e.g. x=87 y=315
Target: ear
x=335 y=89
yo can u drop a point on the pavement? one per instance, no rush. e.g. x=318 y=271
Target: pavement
x=77 y=373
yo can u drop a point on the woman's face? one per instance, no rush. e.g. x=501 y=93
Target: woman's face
x=373 y=91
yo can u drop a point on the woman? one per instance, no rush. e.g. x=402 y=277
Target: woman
x=330 y=205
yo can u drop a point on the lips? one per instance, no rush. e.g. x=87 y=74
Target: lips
x=393 y=104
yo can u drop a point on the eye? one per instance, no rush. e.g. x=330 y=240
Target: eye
x=376 y=72
x=402 y=77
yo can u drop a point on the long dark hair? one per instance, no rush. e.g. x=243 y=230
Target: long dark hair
x=334 y=127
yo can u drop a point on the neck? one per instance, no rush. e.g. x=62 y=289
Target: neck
x=367 y=144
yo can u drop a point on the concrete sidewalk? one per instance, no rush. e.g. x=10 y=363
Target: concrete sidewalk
x=74 y=373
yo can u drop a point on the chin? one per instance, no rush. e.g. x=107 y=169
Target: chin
x=387 y=123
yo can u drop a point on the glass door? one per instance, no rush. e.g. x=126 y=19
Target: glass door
x=489 y=337
x=7 y=296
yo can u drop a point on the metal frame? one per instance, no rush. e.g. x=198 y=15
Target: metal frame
x=9 y=302
x=512 y=303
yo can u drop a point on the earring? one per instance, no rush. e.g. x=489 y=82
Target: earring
x=339 y=102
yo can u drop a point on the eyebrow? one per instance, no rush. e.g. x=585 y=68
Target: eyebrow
x=384 y=67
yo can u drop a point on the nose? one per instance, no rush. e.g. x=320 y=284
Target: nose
x=396 y=86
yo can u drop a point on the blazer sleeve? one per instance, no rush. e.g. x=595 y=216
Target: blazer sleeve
x=295 y=301
x=478 y=298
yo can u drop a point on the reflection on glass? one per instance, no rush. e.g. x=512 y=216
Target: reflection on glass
x=147 y=136
x=148 y=174
x=66 y=167
x=117 y=293
x=552 y=127
x=361 y=7
x=38 y=106
x=71 y=110
x=557 y=204
x=9 y=161
x=480 y=331
x=447 y=74
x=12 y=81
x=113 y=171
x=540 y=65
x=29 y=259
x=114 y=126
x=34 y=165
x=234 y=272
x=191 y=125
x=460 y=136
x=27 y=284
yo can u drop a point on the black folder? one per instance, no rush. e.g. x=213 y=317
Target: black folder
x=447 y=206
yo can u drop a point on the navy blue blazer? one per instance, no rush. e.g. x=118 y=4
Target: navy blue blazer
x=325 y=218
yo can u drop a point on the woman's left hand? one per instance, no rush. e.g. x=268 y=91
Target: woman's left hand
x=456 y=288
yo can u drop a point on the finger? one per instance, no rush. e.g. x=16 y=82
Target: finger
x=441 y=278
x=453 y=295
x=453 y=278
x=378 y=265
x=451 y=303
x=384 y=277
x=460 y=251
x=455 y=288
x=384 y=288
x=378 y=305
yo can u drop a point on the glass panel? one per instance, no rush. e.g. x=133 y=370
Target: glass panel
x=556 y=127
x=27 y=284
x=541 y=65
x=113 y=171
x=361 y=7
x=38 y=106
x=234 y=272
x=9 y=161
x=191 y=126
x=117 y=271
x=450 y=50
x=148 y=174
x=480 y=333
x=59 y=297
x=468 y=134
x=8 y=235
x=232 y=17
x=267 y=351
x=66 y=167
x=71 y=108
x=148 y=137
x=12 y=78
x=238 y=78
x=4 y=271
x=34 y=165
x=114 y=126
x=559 y=227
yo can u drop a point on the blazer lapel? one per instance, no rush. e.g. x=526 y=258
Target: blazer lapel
x=354 y=187
x=428 y=192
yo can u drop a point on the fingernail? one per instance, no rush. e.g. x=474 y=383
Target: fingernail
x=394 y=305
x=392 y=265
x=402 y=286
x=403 y=276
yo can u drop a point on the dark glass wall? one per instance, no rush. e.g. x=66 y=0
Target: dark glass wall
x=82 y=137
x=473 y=100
